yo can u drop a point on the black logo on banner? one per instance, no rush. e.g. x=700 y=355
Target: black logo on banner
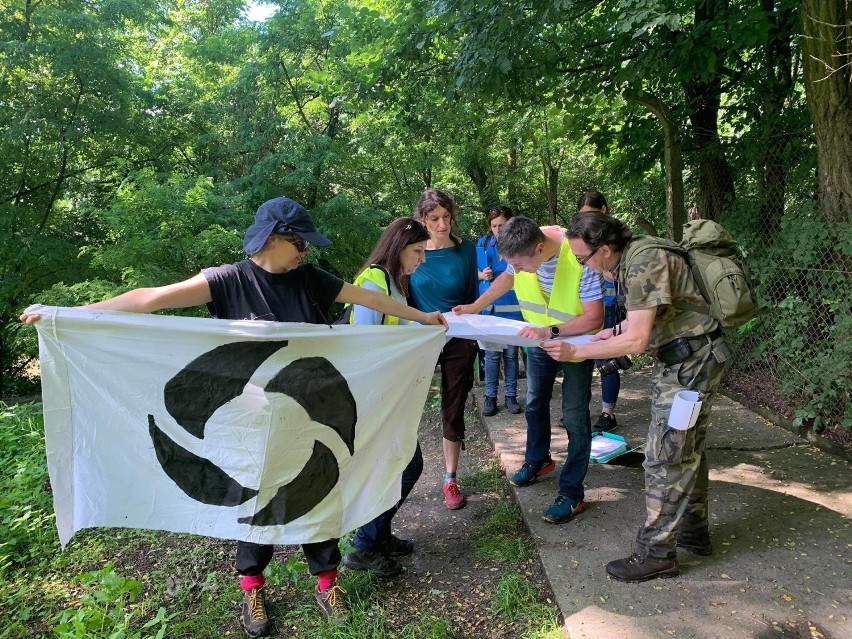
x=215 y=378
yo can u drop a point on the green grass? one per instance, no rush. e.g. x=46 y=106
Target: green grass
x=138 y=584
x=514 y=598
x=502 y=537
x=487 y=479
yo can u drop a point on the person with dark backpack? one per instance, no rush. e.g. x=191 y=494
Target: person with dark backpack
x=668 y=317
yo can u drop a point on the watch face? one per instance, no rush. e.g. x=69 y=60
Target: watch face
x=554 y=331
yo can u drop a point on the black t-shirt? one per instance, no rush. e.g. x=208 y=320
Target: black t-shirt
x=245 y=291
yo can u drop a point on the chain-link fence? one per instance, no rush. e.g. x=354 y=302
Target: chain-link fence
x=796 y=357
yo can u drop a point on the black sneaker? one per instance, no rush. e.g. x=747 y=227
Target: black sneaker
x=512 y=405
x=331 y=603
x=396 y=547
x=377 y=563
x=255 y=620
x=606 y=422
x=489 y=407
x=636 y=568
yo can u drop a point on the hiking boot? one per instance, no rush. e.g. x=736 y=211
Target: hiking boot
x=453 y=497
x=396 y=547
x=562 y=510
x=331 y=602
x=636 y=568
x=606 y=422
x=697 y=546
x=530 y=472
x=375 y=562
x=512 y=405
x=489 y=407
x=255 y=620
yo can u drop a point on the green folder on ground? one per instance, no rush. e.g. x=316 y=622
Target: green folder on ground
x=607 y=446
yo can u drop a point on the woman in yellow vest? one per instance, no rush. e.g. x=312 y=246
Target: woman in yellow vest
x=398 y=253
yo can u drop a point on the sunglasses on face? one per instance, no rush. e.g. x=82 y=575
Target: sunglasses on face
x=299 y=244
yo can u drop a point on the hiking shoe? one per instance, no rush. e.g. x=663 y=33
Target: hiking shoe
x=530 y=472
x=489 y=407
x=606 y=422
x=696 y=546
x=331 y=602
x=512 y=405
x=453 y=497
x=636 y=568
x=562 y=510
x=255 y=620
x=396 y=547
x=375 y=562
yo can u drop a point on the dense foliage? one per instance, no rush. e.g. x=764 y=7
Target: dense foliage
x=137 y=137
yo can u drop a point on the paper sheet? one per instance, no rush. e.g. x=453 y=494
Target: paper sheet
x=685 y=410
x=497 y=332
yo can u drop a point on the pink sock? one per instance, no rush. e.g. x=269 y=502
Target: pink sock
x=326 y=579
x=250 y=582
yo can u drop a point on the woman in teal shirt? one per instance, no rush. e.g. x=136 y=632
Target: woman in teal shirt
x=447 y=279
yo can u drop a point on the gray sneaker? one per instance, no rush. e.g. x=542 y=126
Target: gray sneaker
x=512 y=405
x=331 y=602
x=255 y=620
x=489 y=406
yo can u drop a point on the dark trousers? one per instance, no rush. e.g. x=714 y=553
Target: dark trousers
x=456 y=360
x=372 y=536
x=321 y=556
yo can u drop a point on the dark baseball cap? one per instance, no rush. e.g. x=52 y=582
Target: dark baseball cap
x=285 y=217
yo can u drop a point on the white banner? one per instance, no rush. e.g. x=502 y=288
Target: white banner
x=259 y=431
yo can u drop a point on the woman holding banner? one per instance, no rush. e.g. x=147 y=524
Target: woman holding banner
x=272 y=284
x=397 y=254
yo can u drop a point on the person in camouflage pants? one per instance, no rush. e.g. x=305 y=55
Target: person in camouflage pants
x=666 y=318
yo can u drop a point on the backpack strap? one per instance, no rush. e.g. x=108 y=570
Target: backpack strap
x=648 y=242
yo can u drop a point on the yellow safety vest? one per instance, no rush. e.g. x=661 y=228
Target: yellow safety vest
x=378 y=276
x=564 y=304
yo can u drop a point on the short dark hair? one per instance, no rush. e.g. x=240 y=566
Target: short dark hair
x=597 y=229
x=519 y=237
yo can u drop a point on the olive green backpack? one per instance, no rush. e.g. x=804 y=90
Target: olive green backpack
x=717 y=267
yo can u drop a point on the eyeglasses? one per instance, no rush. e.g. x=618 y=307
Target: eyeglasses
x=582 y=260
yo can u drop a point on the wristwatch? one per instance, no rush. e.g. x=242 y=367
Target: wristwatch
x=554 y=332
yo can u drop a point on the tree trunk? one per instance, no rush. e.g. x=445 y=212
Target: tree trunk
x=512 y=182
x=715 y=183
x=827 y=54
x=551 y=184
x=478 y=174
x=673 y=163
x=703 y=97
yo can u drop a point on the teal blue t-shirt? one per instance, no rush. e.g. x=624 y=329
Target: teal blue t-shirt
x=447 y=278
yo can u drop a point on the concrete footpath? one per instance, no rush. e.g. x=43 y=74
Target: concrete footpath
x=781 y=524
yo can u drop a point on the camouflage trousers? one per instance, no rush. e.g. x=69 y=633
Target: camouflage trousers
x=676 y=474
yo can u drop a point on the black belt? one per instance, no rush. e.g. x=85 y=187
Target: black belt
x=697 y=342
x=681 y=348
